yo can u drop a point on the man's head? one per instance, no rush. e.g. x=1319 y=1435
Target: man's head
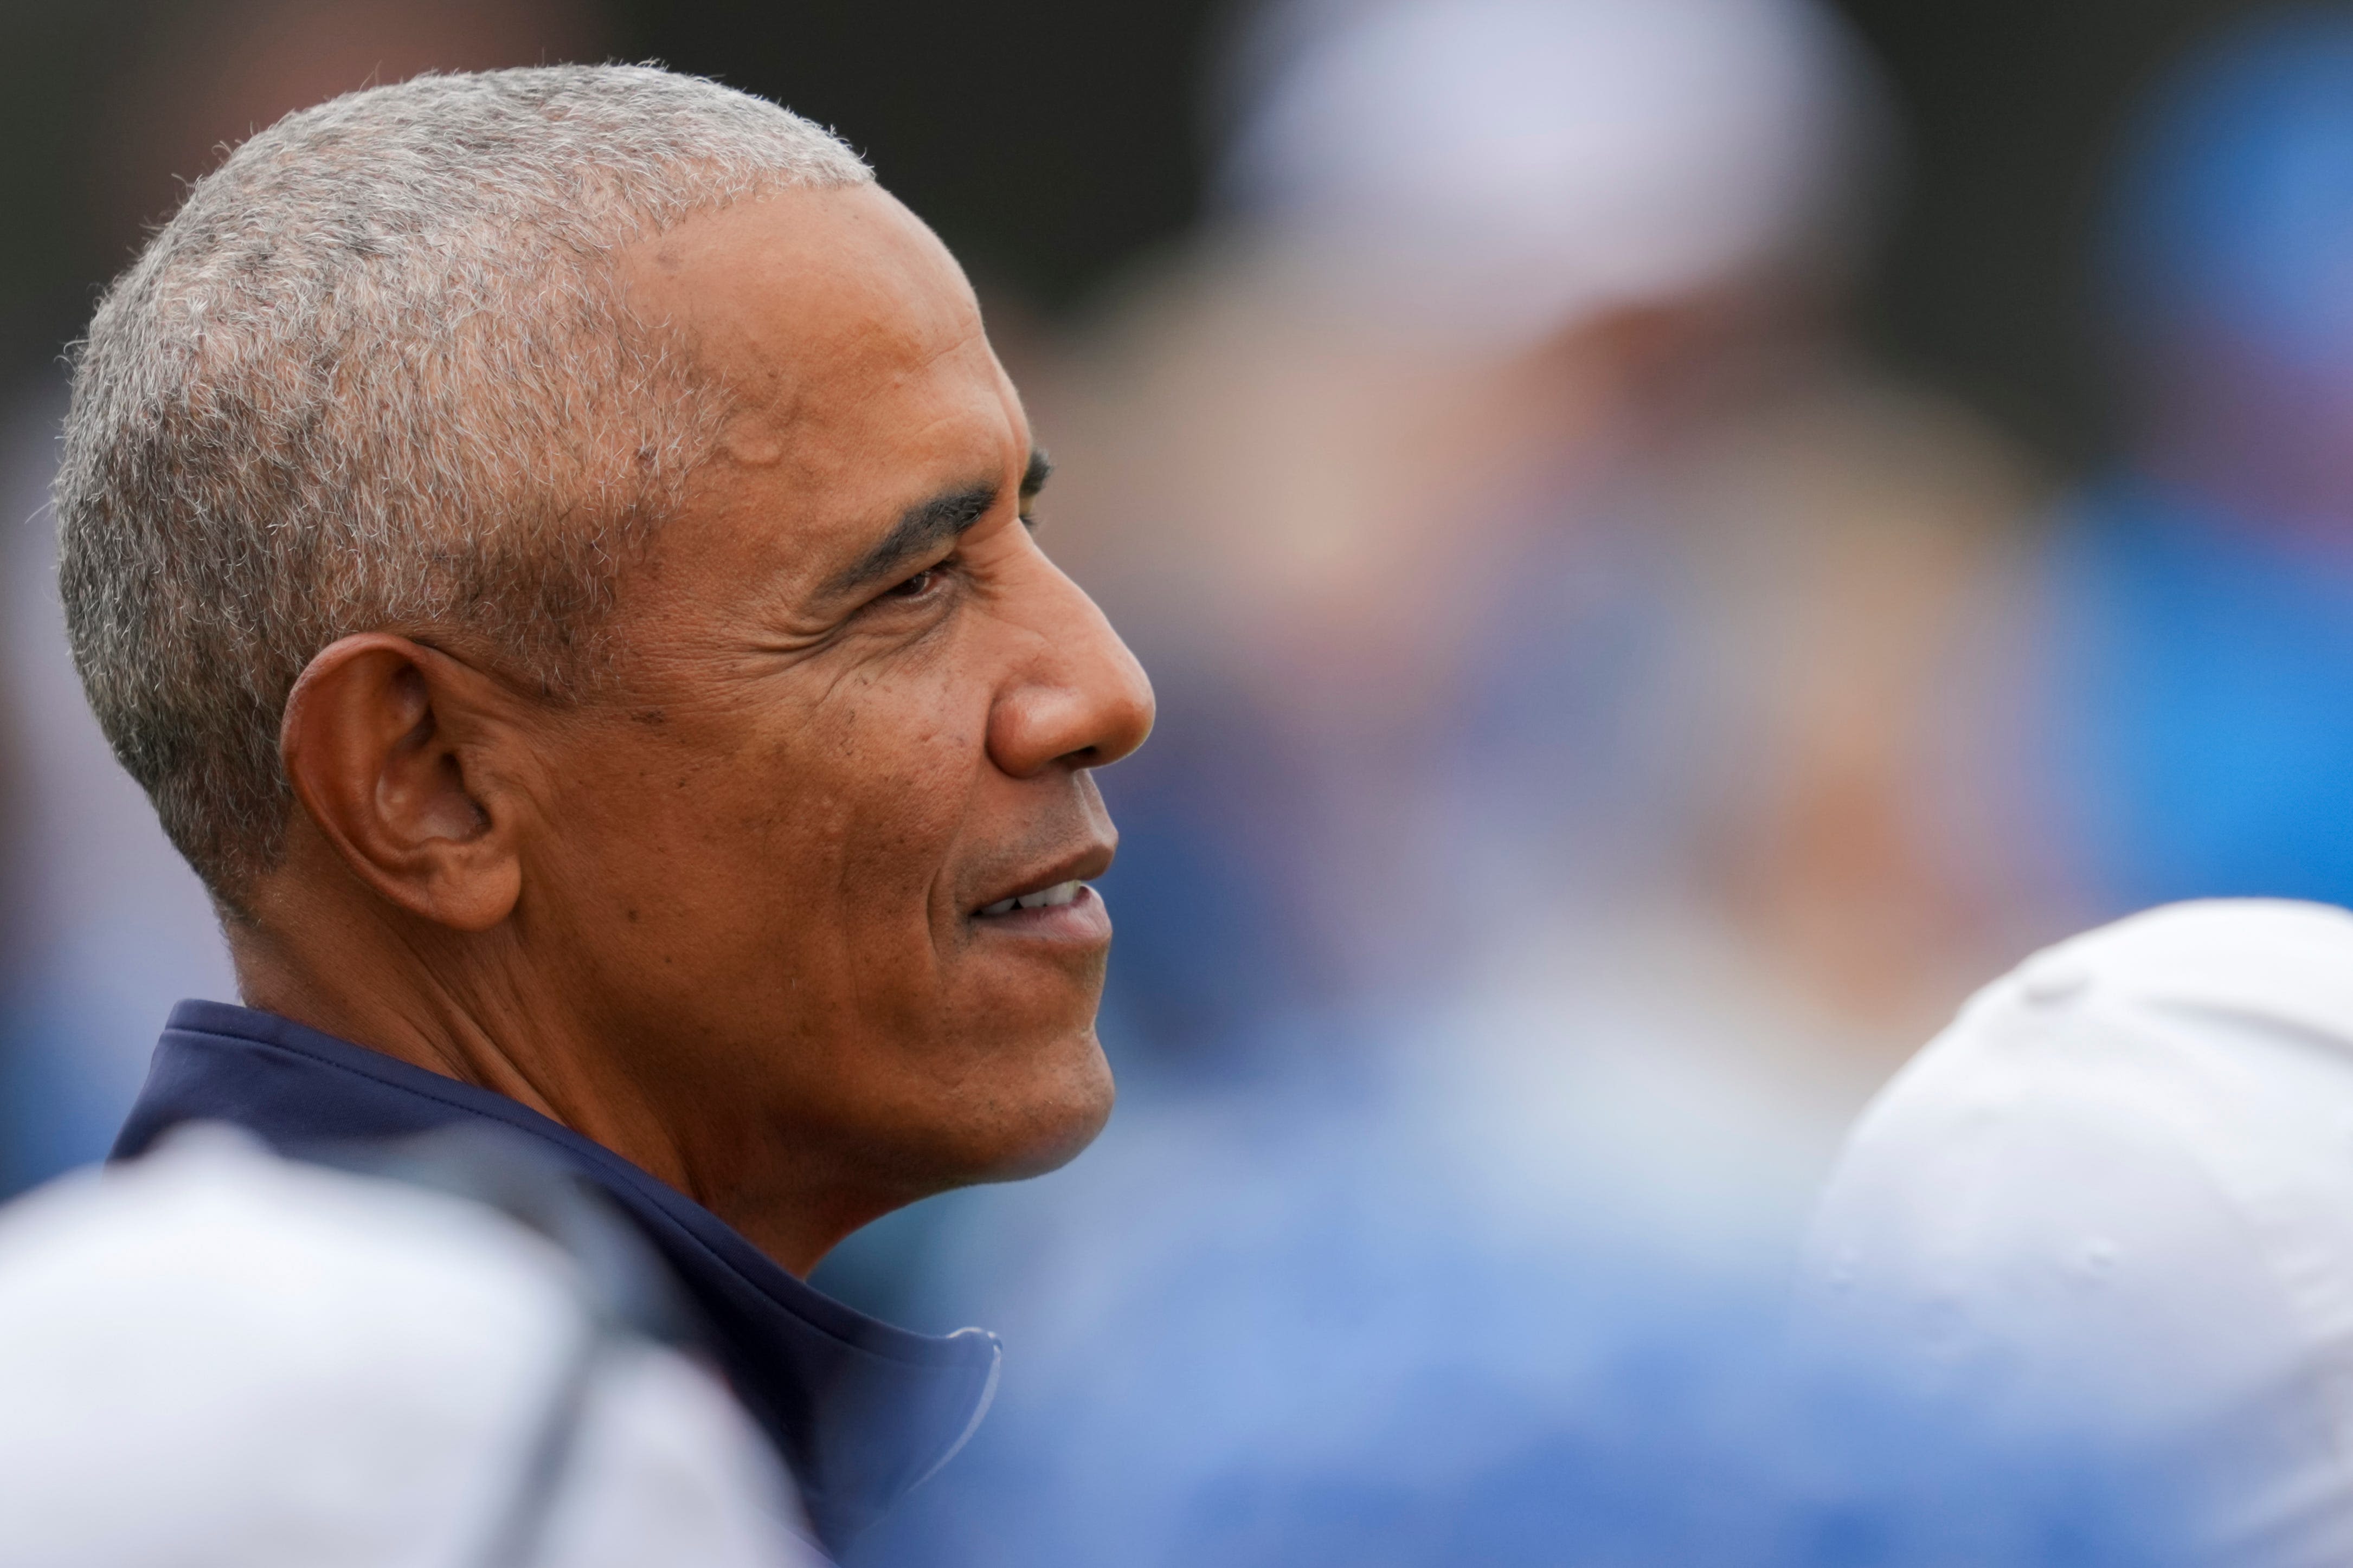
x=552 y=544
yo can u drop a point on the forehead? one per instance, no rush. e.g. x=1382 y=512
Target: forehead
x=846 y=336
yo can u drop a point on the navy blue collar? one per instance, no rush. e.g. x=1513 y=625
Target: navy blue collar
x=861 y=1411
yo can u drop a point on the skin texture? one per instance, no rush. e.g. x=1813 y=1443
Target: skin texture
x=723 y=918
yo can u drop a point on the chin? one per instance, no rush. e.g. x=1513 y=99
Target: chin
x=1045 y=1128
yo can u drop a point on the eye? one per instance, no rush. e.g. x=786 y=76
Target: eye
x=916 y=586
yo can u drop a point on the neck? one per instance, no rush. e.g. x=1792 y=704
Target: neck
x=319 y=948
x=346 y=968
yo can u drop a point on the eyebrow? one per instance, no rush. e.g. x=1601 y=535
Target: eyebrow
x=922 y=526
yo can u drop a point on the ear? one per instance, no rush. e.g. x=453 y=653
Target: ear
x=390 y=747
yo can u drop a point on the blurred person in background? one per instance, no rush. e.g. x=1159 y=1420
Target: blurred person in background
x=1524 y=886
x=107 y=927
x=2110 y=1199
x=2111 y=1205
x=213 y=1358
x=2161 y=691
x=1538 y=571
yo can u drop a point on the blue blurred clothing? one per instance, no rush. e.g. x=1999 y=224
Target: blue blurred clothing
x=861 y=1412
x=2198 y=716
x=1433 y=1317
x=1366 y=861
x=2199 y=709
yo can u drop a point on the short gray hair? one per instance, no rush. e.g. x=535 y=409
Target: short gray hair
x=375 y=374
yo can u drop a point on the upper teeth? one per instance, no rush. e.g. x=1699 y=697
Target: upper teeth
x=1044 y=899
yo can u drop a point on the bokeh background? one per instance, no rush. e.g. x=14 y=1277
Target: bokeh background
x=1675 y=538
x=1056 y=142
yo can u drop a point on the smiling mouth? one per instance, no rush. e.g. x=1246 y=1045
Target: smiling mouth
x=1060 y=893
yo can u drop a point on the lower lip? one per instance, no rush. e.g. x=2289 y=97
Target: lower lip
x=1083 y=920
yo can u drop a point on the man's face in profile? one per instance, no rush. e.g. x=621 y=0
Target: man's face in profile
x=851 y=718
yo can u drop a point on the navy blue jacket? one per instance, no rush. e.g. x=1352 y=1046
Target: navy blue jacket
x=860 y=1411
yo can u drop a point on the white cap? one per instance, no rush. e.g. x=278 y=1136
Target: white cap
x=2116 y=1198
x=216 y=1359
x=1511 y=165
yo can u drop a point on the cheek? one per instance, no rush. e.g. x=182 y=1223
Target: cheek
x=825 y=832
x=874 y=788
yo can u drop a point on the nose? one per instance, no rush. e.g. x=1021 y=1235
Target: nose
x=1083 y=701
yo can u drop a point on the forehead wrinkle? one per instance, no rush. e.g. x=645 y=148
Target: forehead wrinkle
x=803 y=395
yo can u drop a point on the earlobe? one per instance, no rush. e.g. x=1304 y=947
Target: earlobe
x=389 y=746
